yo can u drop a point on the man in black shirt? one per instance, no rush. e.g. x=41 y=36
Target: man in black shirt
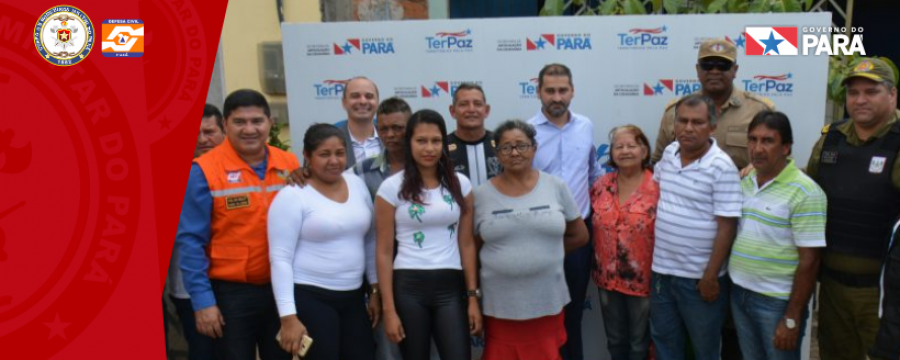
x=471 y=145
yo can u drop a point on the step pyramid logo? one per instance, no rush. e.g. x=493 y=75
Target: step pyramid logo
x=540 y=42
x=435 y=90
x=776 y=40
x=348 y=47
x=660 y=87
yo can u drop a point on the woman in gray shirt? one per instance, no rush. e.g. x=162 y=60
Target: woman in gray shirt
x=525 y=222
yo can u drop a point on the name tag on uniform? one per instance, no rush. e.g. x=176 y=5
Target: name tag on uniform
x=237 y=202
x=829 y=157
x=877 y=164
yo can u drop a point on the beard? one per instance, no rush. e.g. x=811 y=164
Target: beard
x=556 y=109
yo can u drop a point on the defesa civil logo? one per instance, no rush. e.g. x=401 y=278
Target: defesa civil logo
x=123 y=38
x=63 y=35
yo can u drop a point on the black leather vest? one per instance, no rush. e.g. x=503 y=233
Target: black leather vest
x=862 y=201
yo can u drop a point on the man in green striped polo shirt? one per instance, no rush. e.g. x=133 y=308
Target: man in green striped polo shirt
x=775 y=257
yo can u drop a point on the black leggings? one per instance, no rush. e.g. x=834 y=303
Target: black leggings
x=337 y=322
x=432 y=303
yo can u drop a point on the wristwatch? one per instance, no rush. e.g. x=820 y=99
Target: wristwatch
x=790 y=323
x=474 y=293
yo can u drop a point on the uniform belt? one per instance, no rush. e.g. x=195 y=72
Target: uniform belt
x=851 y=280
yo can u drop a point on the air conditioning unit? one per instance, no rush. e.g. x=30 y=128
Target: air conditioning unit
x=279 y=111
x=271 y=68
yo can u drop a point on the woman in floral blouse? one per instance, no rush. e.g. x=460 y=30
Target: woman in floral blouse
x=624 y=204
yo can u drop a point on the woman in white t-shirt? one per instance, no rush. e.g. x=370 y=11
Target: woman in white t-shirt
x=430 y=289
x=321 y=241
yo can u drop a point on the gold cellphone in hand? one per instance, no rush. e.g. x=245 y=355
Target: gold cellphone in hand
x=305 y=343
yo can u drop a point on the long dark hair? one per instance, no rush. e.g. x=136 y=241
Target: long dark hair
x=413 y=186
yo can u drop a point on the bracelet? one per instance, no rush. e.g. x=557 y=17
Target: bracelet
x=474 y=293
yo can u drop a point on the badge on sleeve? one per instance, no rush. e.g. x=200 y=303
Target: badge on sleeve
x=233 y=177
x=877 y=164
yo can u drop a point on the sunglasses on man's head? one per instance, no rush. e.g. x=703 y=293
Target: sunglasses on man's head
x=720 y=65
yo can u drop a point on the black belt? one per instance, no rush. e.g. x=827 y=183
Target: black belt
x=852 y=280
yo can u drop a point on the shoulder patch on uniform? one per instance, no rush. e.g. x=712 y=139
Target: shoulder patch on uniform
x=672 y=103
x=769 y=104
x=826 y=128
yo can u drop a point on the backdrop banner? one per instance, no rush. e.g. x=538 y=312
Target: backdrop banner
x=625 y=70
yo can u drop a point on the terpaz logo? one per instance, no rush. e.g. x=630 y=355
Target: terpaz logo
x=330 y=89
x=528 y=89
x=644 y=39
x=459 y=41
x=770 y=85
x=366 y=46
x=559 y=42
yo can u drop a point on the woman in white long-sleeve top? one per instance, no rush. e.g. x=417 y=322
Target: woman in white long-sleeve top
x=321 y=241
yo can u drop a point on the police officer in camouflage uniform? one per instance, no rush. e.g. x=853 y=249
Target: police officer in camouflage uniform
x=716 y=68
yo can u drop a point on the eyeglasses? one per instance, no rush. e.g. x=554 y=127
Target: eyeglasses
x=720 y=65
x=507 y=149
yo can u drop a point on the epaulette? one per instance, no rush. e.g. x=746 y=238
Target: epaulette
x=769 y=104
x=826 y=128
x=672 y=103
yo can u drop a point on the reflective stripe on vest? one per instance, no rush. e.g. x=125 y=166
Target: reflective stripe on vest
x=238 y=249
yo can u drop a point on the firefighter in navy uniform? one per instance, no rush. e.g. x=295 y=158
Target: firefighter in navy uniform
x=856 y=163
x=471 y=146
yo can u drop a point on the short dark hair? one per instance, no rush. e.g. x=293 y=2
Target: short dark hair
x=468 y=86
x=393 y=105
x=244 y=98
x=638 y=135
x=774 y=120
x=554 y=69
x=212 y=110
x=515 y=124
x=316 y=134
x=697 y=99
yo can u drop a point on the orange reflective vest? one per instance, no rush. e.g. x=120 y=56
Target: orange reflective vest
x=239 y=246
